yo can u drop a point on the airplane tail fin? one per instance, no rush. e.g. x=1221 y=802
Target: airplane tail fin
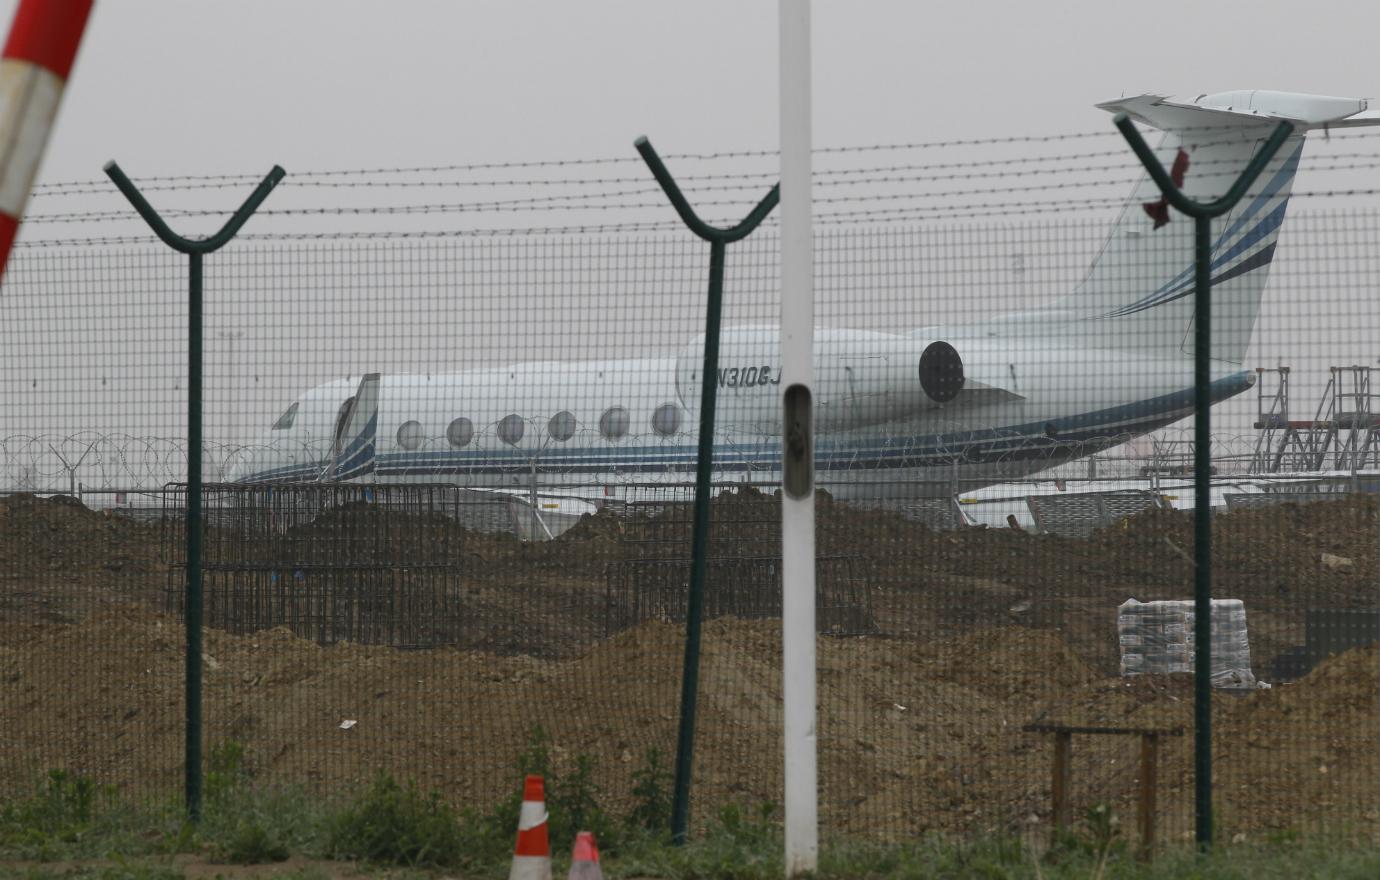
x=1139 y=291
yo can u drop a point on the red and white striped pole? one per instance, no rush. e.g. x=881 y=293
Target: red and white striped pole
x=37 y=59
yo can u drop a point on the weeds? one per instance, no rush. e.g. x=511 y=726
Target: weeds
x=740 y=845
x=243 y=825
x=250 y=841
x=574 y=807
x=396 y=824
x=572 y=802
x=120 y=871
x=68 y=815
x=651 y=792
x=226 y=775
x=1098 y=838
x=749 y=829
x=64 y=804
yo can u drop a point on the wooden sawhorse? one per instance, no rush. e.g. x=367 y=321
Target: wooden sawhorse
x=1149 y=769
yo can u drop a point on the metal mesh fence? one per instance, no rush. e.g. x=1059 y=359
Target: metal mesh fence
x=451 y=505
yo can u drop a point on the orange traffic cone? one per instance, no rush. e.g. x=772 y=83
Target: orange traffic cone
x=584 y=864
x=532 y=855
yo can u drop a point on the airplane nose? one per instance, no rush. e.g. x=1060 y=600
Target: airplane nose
x=237 y=471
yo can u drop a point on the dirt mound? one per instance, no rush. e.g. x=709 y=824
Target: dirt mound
x=1003 y=663
x=60 y=534
x=982 y=632
x=912 y=736
x=551 y=598
x=1266 y=556
x=1346 y=677
x=59 y=560
x=585 y=547
x=1269 y=556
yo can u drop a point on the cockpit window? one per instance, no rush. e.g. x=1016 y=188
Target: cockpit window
x=340 y=416
x=286 y=419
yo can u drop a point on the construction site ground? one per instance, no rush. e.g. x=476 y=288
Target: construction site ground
x=978 y=632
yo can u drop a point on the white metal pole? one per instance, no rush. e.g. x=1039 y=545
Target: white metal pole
x=798 y=500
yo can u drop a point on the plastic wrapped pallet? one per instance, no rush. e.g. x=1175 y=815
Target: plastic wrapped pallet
x=1157 y=638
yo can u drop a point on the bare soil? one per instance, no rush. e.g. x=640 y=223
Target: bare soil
x=980 y=633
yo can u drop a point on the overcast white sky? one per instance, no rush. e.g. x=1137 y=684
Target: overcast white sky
x=183 y=86
x=170 y=87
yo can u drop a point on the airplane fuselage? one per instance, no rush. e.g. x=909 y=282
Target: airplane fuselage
x=1024 y=403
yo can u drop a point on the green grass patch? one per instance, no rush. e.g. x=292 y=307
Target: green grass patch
x=123 y=871
x=72 y=827
x=724 y=854
x=395 y=824
x=69 y=816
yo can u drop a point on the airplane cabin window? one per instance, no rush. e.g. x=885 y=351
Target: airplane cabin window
x=460 y=432
x=286 y=419
x=666 y=419
x=511 y=428
x=410 y=434
x=561 y=427
x=614 y=423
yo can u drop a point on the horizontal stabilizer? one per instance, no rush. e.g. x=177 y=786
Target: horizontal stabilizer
x=1246 y=108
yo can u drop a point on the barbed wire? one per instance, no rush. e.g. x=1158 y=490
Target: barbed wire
x=1016 y=209
x=322 y=177
x=849 y=195
x=96 y=461
x=573 y=201
x=238 y=178
x=601 y=201
x=864 y=195
x=767 y=177
x=823 y=177
x=891 y=215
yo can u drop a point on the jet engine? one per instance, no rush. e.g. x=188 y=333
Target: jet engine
x=862 y=378
x=941 y=372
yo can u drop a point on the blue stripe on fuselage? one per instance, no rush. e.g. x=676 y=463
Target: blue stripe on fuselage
x=1073 y=435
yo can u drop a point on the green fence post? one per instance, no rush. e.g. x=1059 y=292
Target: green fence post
x=1202 y=215
x=195 y=250
x=718 y=240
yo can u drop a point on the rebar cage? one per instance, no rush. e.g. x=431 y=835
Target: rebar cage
x=332 y=562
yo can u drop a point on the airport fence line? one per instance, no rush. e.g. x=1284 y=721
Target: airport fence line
x=115 y=464
x=429 y=620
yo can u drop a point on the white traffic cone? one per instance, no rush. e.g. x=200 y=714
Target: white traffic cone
x=584 y=864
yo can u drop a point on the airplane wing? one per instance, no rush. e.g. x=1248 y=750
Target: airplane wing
x=990 y=383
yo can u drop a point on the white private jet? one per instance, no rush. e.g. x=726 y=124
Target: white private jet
x=980 y=403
